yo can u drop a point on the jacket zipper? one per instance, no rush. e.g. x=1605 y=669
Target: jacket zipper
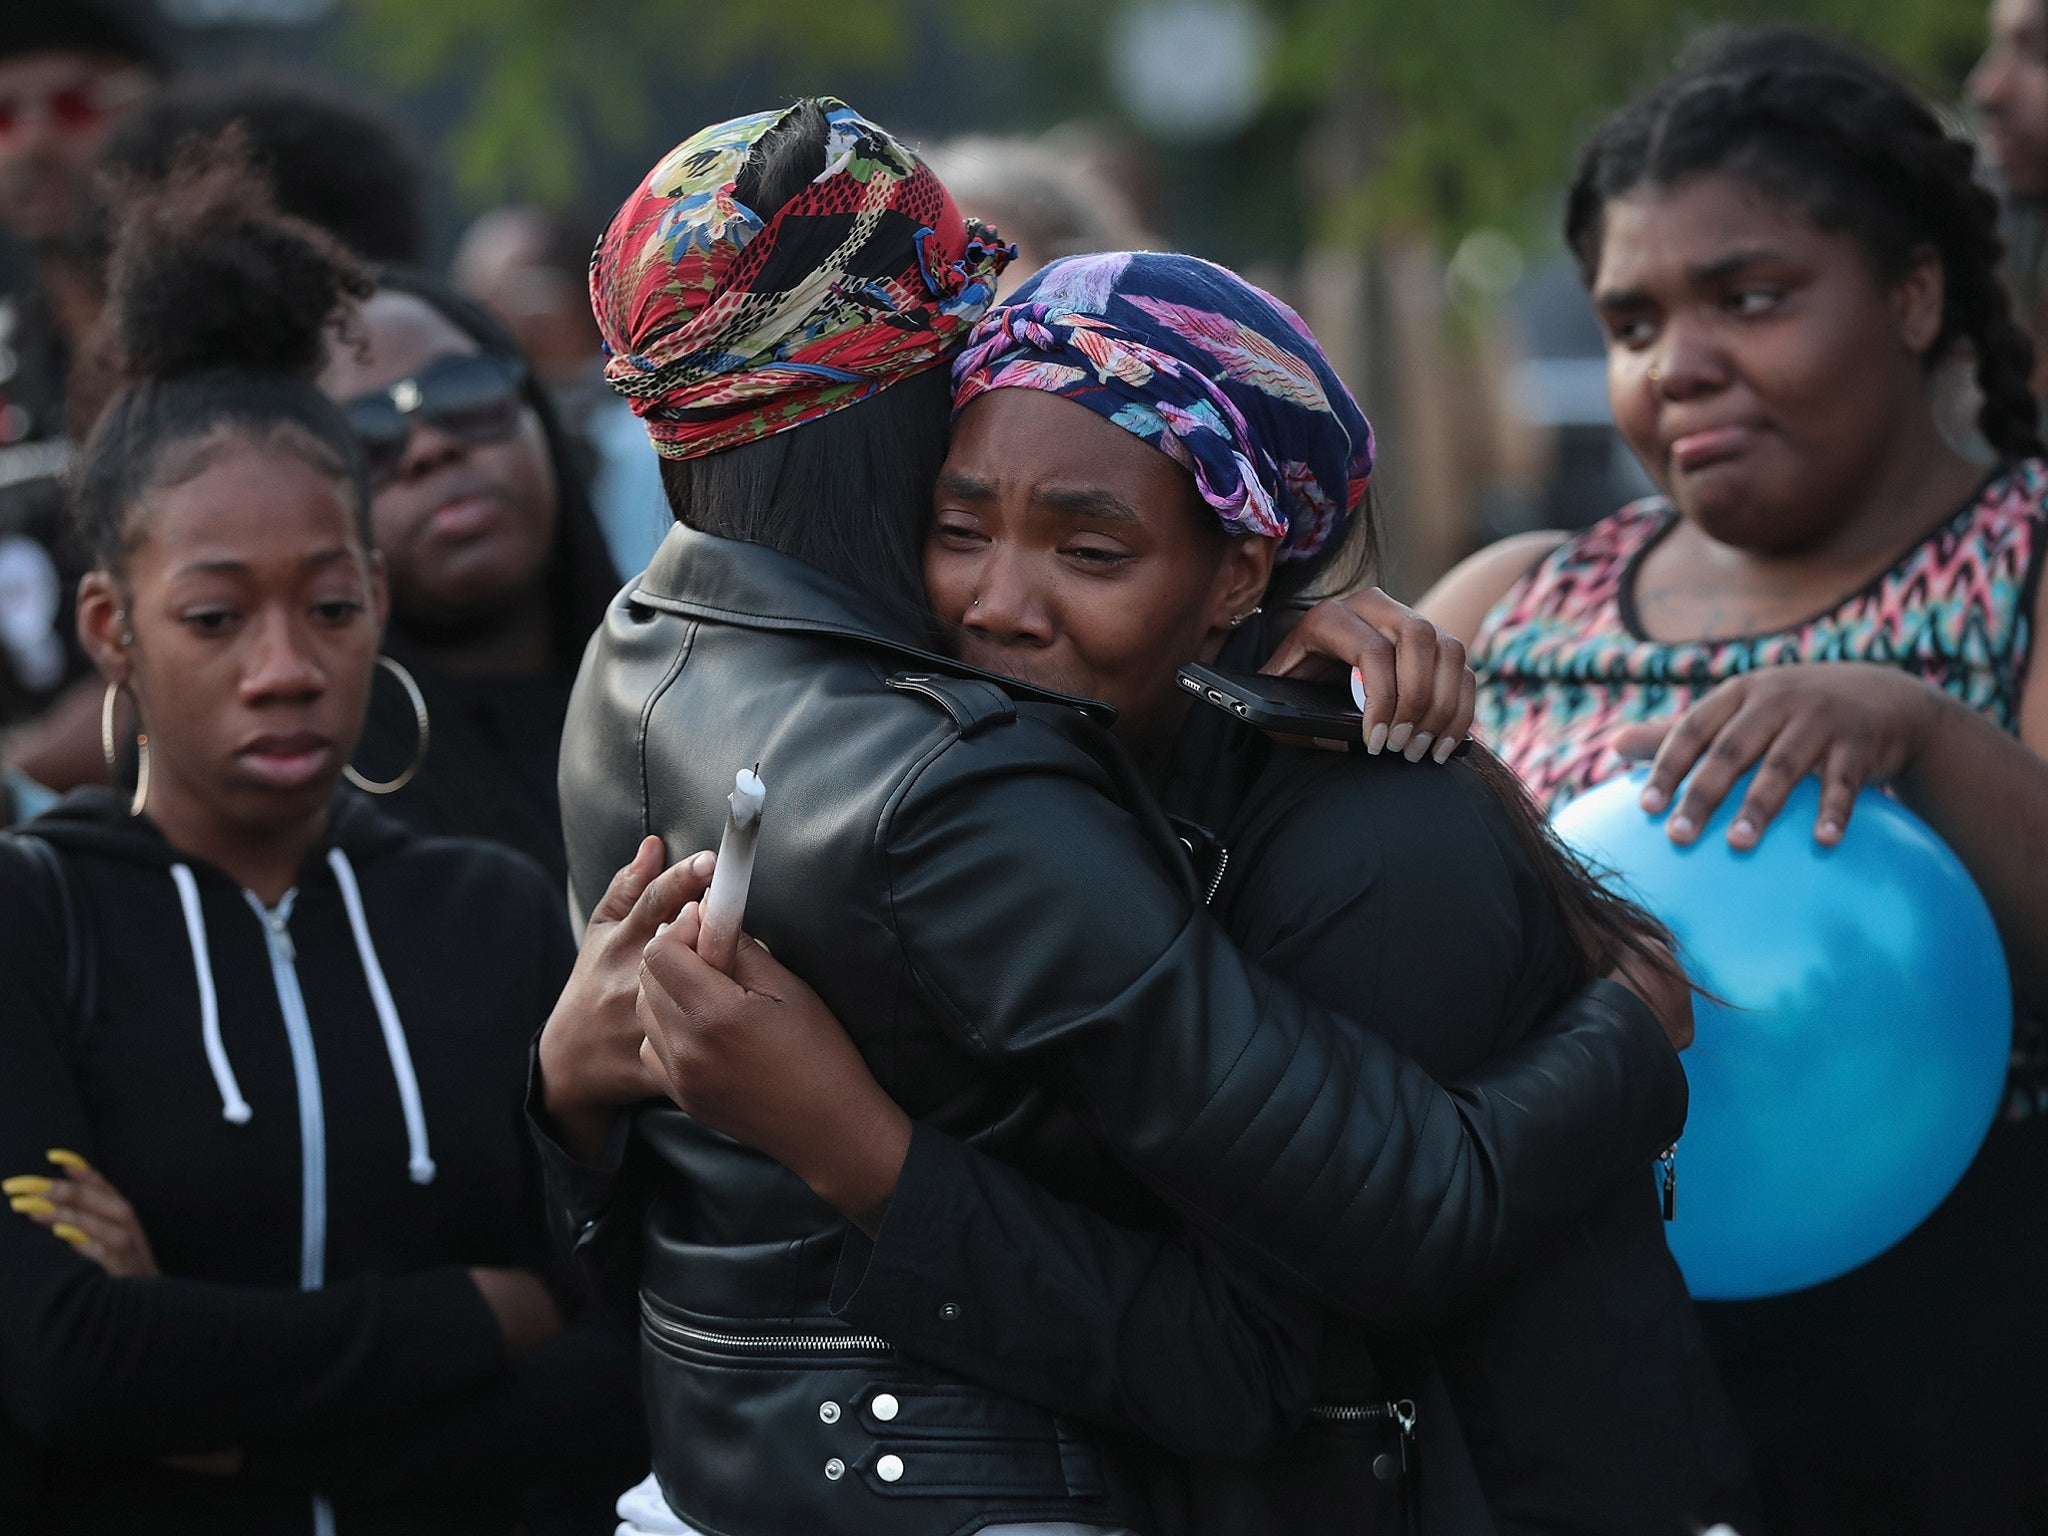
x=1216 y=880
x=1402 y=1413
x=298 y=1031
x=815 y=1343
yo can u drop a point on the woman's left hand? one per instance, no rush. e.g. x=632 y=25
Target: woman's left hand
x=1852 y=723
x=86 y=1211
x=757 y=1056
x=1419 y=694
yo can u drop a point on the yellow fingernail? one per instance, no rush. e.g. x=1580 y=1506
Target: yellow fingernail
x=32 y=1205
x=25 y=1184
x=71 y=1234
x=65 y=1159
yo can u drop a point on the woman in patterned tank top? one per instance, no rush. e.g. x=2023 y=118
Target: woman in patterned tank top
x=1783 y=245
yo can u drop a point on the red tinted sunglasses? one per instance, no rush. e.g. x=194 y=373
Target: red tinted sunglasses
x=74 y=108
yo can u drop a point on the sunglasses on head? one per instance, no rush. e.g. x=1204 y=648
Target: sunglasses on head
x=473 y=396
x=75 y=108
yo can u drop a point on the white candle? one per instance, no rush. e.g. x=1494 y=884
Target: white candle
x=725 y=904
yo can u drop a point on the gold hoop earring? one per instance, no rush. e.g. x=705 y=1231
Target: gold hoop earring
x=1237 y=619
x=113 y=758
x=419 y=714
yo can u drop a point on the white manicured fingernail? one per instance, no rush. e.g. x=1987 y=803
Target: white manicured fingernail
x=1376 y=739
x=1397 y=738
x=1418 y=746
x=1444 y=748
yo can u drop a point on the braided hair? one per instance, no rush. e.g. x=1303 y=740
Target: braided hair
x=1833 y=133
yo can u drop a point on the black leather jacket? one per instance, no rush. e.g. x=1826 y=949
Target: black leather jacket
x=973 y=877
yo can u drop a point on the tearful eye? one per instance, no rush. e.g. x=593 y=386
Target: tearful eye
x=1089 y=554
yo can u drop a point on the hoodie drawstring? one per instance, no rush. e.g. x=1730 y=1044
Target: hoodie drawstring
x=419 y=1165
x=233 y=1107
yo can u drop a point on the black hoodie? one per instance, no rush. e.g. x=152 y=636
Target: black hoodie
x=316 y=1112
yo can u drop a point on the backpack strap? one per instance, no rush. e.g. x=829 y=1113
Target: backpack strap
x=81 y=958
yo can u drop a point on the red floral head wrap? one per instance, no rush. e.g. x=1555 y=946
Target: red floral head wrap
x=721 y=327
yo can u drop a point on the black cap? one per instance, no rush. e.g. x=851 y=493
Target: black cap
x=126 y=29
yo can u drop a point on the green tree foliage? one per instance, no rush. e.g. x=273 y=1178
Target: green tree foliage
x=541 y=76
x=1436 y=116
x=1467 y=112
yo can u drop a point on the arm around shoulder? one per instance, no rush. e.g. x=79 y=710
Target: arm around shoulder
x=1061 y=935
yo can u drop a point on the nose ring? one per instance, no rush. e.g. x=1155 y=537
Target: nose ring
x=1656 y=374
x=975 y=604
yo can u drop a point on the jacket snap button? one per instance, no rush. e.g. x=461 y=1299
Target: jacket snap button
x=889 y=1468
x=829 y=1412
x=885 y=1407
x=835 y=1469
x=950 y=1312
x=1385 y=1467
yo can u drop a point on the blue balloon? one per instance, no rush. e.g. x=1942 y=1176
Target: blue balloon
x=1861 y=1055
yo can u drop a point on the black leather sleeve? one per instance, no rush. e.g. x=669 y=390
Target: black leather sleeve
x=1059 y=935
x=594 y=1210
x=978 y=1270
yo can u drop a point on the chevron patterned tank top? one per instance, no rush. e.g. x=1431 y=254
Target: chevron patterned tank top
x=1563 y=663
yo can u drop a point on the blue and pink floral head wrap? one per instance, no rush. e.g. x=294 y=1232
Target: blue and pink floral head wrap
x=1217 y=374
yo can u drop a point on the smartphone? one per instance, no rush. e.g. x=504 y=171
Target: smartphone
x=1287 y=706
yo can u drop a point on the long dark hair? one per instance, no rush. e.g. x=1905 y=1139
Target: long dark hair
x=581 y=577
x=850 y=493
x=218 y=314
x=1605 y=929
x=1812 y=121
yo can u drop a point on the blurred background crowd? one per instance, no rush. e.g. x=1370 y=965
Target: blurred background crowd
x=1392 y=170
x=1394 y=173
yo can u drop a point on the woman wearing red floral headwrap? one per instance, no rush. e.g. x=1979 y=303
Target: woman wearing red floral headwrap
x=975 y=874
